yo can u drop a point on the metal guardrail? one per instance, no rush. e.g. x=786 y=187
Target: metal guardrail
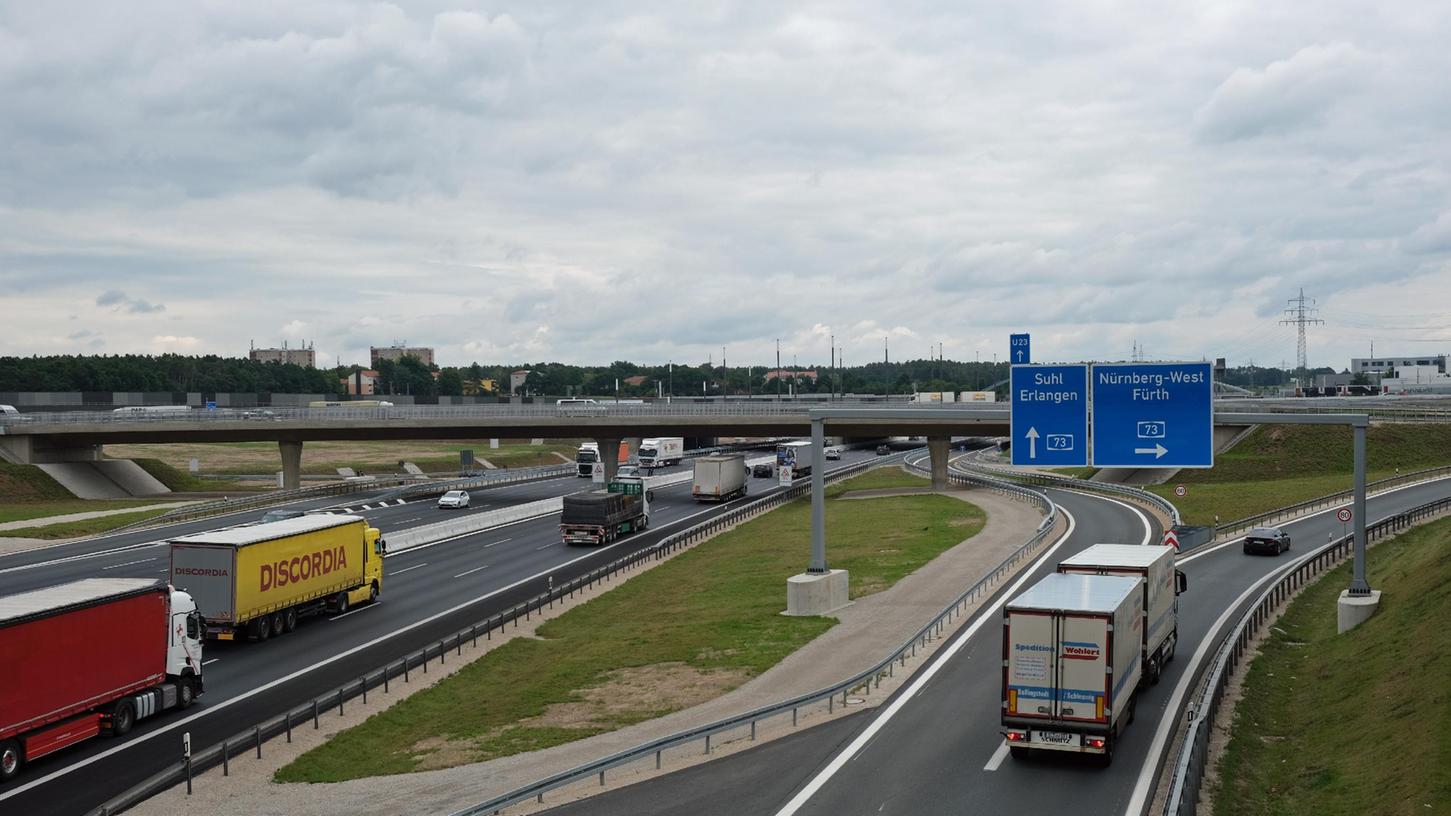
x=865 y=679
x=1329 y=500
x=1049 y=480
x=1188 y=775
x=253 y=738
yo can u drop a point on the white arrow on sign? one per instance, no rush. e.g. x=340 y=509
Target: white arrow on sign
x=1020 y=355
x=1032 y=436
x=1158 y=450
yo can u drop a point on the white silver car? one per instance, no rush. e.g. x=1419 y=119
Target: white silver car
x=454 y=498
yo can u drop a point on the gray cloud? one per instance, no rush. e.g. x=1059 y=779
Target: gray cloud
x=594 y=181
x=120 y=300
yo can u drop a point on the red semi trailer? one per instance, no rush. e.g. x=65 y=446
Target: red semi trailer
x=138 y=645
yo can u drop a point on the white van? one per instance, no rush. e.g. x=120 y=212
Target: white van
x=8 y=410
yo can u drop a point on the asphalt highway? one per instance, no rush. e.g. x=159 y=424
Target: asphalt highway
x=934 y=747
x=429 y=592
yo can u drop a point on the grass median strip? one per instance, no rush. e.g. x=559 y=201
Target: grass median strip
x=86 y=527
x=1358 y=723
x=684 y=632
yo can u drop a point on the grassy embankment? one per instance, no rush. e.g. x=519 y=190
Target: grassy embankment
x=27 y=492
x=364 y=456
x=1278 y=465
x=1358 y=723
x=684 y=632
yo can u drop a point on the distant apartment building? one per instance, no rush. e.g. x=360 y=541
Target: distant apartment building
x=360 y=383
x=396 y=353
x=305 y=357
x=516 y=380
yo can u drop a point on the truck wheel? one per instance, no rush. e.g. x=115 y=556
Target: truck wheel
x=264 y=628
x=342 y=602
x=278 y=624
x=373 y=593
x=9 y=760
x=289 y=619
x=123 y=716
x=1155 y=670
x=185 y=693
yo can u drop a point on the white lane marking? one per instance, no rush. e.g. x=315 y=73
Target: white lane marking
x=998 y=756
x=1148 y=528
x=500 y=541
x=163 y=570
x=546 y=546
x=367 y=507
x=363 y=608
x=1149 y=774
x=129 y=563
x=210 y=662
x=149 y=735
x=405 y=569
x=804 y=796
x=401 y=501
x=472 y=571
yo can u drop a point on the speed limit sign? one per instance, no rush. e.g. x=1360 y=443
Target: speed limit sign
x=1181 y=491
x=1343 y=514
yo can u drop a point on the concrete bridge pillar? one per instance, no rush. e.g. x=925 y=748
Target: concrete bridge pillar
x=609 y=456
x=939 y=448
x=291 y=464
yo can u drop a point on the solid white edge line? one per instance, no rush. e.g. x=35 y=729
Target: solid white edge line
x=137 y=740
x=804 y=795
x=998 y=756
x=1148 y=528
x=1149 y=773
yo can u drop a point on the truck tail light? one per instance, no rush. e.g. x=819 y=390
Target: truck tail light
x=1096 y=742
x=1016 y=736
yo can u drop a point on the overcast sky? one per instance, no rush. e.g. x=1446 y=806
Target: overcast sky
x=591 y=181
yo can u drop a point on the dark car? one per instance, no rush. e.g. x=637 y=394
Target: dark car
x=279 y=515
x=761 y=471
x=1270 y=540
x=883 y=450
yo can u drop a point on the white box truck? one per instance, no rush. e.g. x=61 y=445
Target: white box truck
x=661 y=452
x=1072 y=658
x=719 y=478
x=1162 y=586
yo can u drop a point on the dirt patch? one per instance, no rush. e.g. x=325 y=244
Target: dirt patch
x=435 y=753
x=627 y=694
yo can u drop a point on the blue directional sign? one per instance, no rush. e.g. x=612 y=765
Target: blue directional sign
x=1153 y=415
x=1019 y=352
x=1050 y=415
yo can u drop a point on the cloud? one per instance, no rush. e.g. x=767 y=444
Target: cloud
x=120 y=300
x=1287 y=95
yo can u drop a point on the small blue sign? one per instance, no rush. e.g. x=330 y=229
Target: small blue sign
x=1050 y=415
x=211 y=406
x=1153 y=415
x=1019 y=352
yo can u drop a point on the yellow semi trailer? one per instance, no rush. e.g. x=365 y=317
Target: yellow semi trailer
x=257 y=580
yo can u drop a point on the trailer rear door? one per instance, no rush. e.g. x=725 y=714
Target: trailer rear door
x=1082 y=667
x=1031 y=664
x=206 y=572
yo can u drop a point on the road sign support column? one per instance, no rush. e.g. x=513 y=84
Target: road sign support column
x=609 y=456
x=819 y=590
x=939 y=450
x=818 y=497
x=291 y=464
x=1358 y=585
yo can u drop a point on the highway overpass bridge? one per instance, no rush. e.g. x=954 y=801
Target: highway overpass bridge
x=76 y=437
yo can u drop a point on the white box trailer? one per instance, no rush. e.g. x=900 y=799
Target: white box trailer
x=661 y=452
x=1162 y=586
x=719 y=478
x=1072 y=659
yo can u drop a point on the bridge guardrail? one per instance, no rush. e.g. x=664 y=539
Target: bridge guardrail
x=255 y=737
x=220 y=507
x=1189 y=767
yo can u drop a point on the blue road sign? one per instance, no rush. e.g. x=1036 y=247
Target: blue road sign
x=1019 y=352
x=211 y=406
x=1153 y=415
x=1050 y=415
